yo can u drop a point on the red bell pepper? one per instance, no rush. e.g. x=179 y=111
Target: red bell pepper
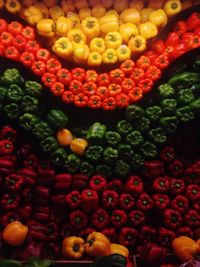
x=177 y=186
x=15 y=28
x=103 y=79
x=8 y=133
x=116 y=76
x=78 y=219
x=185 y=231
x=143 y=62
x=144 y=203
x=57 y=89
x=109 y=199
x=64 y=76
x=152 y=54
x=126 y=201
x=180 y=27
x=172 y=218
x=41 y=195
x=94 y=102
x=145 y=85
x=167 y=154
x=115 y=185
x=161 y=201
x=192 y=174
x=8 y=217
x=26 y=194
x=73 y=199
x=98 y=183
x=53 y=65
x=43 y=54
x=28 y=33
x=176 y=168
x=193 y=21
x=109 y=103
x=91 y=76
x=27 y=59
x=134 y=185
x=90 y=200
x=32 y=46
x=78 y=74
x=118 y=218
x=172 y=39
x=9 y=202
x=122 y=100
x=3 y=25
x=137 y=74
x=127 y=66
x=62 y=181
x=2 y=49
x=152 y=254
x=127 y=85
x=31 y=161
x=80 y=181
x=153 y=168
x=80 y=100
x=28 y=175
x=196 y=206
x=166 y=237
x=110 y=233
x=6 y=166
x=177 y=51
x=84 y=233
x=153 y=73
x=6 y=147
x=191 y=41
x=41 y=214
x=12 y=53
x=161 y=61
x=148 y=234
x=14 y=182
x=25 y=212
x=180 y=204
x=127 y=236
x=158 y=46
x=38 y=68
x=161 y=185
x=6 y=38
x=48 y=79
x=68 y=97
x=192 y=219
x=19 y=42
x=100 y=219
x=136 y=218
x=197 y=233
x=58 y=200
x=89 y=89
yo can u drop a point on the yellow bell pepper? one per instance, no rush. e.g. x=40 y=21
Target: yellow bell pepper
x=119 y=249
x=46 y=28
x=148 y=30
x=50 y=3
x=158 y=18
x=113 y=40
x=63 y=47
x=145 y=13
x=84 y=13
x=64 y=137
x=127 y=30
x=43 y=8
x=112 y=12
x=13 y=6
x=33 y=15
x=107 y=3
x=55 y=12
x=137 y=44
x=120 y=5
x=131 y=15
x=123 y=53
x=97 y=45
x=80 y=53
x=67 y=6
x=98 y=11
x=28 y=3
x=81 y=4
x=139 y=4
x=94 y=59
x=76 y=36
x=75 y=18
x=78 y=146
x=109 y=23
x=63 y=25
x=94 y=2
x=110 y=56
x=172 y=7
x=90 y=27
x=15 y=233
x=2 y=4
x=155 y=4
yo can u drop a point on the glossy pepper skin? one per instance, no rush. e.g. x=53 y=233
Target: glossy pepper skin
x=122 y=168
x=109 y=199
x=177 y=186
x=9 y=202
x=172 y=218
x=165 y=237
x=29 y=104
x=165 y=91
x=126 y=201
x=110 y=155
x=14 y=182
x=78 y=219
x=148 y=150
x=100 y=219
x=153 y=169
x=57 y=119
x=176 y=168
x=49 y=144
x=42 y=130
x=96 y=132
x=6 y=147
x=127 y=236
x=136 y=218
x=180 y=204
x=11 y=76
x=184 y=80
x=118 y=218
x=33 y=88
x=62 y=181
x=169 y=123
x=12 y=111
x=112 y=138
x=144 y=203
x=124 y=127
x=27 y=121
x=90 y=200
x=73 y=199
x=161 y=185
x=134 y=185
x=73 y=247
x=192 y=218
x=161 y=201
x=193 y=192
x=147 y=234
x=98 y=183
x=59 y=156
x=15 y=93
x=94 y=153
x=167 y=154
x=134 y=112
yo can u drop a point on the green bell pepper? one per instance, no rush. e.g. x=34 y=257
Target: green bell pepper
x=41 y=130
x=93 y=153
x=10 y=263
x=28 y=121
x=96 y=133
x=12 y=111
x=87 y=168
x=168 y=106
x=15 y=93
x=153 y=113
x=185 y=114
x=122 y=168
x=184 y=80
x=124 y=127
x=59 y=156
x=165 y=91
x=134 y=112
x=142 y=125
x=195 y=105
x=103 y=170
x=196 y=65
x=49 y=144
x=195 y=88
x=3 y=93
x=137 y=161
x=125 y=151
x=148 y=150
x=33 y=89
x=110 y=155
x=170 y=123
x=157 y=136
x=12 y=76
x=134 y=138
x=185 y=97
x=57 y=119
x=112 y=138
x=29 y=104
x=72 y=164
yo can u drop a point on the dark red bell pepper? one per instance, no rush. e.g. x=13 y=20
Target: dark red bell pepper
x=136 y=218
x=177 y=186
x=80 y=181
x=98 y=183
x=196 y=206
x=84 y=233
x=185 y=231
x=167 y=154
x=37 y=231
x=147 y=234
x=25 y=212
x=62 y=181
x=78 y=219
x=73 y=199
x=128 y=236
x=177 y=51
x=118 y=218
x=31 y=161
x=31 y=250
x=41 y=195
x=58 y=200
x=115 y=185
x=144 y=203
x=28 y=175
x=192 y=174
x=109 y=199
x=161 y=185
x=52 y=251
x=180 y=27
x=41 y=214
x=161 y=201
x=172 y=218
x=165 y=237
x=24 y=150
x=126 y=201
x=14 y=182
x=52 y=231
x=100 y=219
x=26 y=195
x=192 y=218
x=9 y=133
x=9 y=201
x=6 y=147
x=176 y=168
x=110 y=233
x=172 y=39
x=193 y=21
x=134 y=185
x=6 y=166
x=90 y=200
x=153 y=168
x=197 y=233
x=9 y=217
x=180 y=204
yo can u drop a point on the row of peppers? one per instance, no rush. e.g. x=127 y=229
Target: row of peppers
x=56 y=205
x=120 y=87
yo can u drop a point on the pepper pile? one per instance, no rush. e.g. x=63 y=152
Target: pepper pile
x=119 y=88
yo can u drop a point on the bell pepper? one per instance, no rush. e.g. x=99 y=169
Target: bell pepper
x=166 y=237
x=97 y=45
x=124 y=127
x=96 y=133
x=170 y=123
x=6 y=147
x=98 y=183
x=148 y=150
x=193 y=21
x=153 y=254
x=176 y=168
x=29 y=104
x=185 y=97
x=109 y=56
x=172 y=218
x=185 y=114
x=9 y=133
x=27 y=121
x=161 y=202
x=184 y=80
x=153 y=169
x=168 y=106
x=136 y=218
x=63 y=47
x=59 y=156
x=113 y=40
x=76 y=36
x=78 y=219
x=90 y=27
x=126 y=201
x=3 y=93
x=109 y=199
x=104 y=170
x=122 y=168
x=80 y=53
x=53 y=65
x=33 y=88
x=134 y=139
x=73 y=199
x=119 y=249
x=148 y=233
x=9 y=217
x=110 y=155
x=100 y=218
x=41 y=130
x=195 y=106
x=157 y=136
x=15 y=233
x=90 y=200
x=191 y=218
x=73 y=247
x=158 y=17
x=112 y=138
x=167 y=154
x=180 y=204
x=94 y=153
x=110 y=233
x=64 y=137
x=63 y=25
x=144 y=203
x=9 y=202
x=185 y=248
x=118 y=218
x=72 y=163
x=108 y=23
x=153 y=113
x=161 y=185
x=33 y=15
x=86 y=168
x=127 y=236
x=14 y=182
x=94 y=59
x=127 y=30
x=177 y=186
x=142 y=125
x=62 y=181
x=165 y=91
x=13 y=6
x=172 y=7
x=134 y=112
x=78 y=146
x=12 y=111
x=134 y=185
x=125 y=152
x=49 y=144
x=193 y=192
x=137 y=44
x=148 y=30
x=11 y=76
x=57 y=119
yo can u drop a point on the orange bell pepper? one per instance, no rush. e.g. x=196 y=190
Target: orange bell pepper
x=119 y=249
x=97 y=245
x=64 y=137
x=15 y=233
x=73 y=247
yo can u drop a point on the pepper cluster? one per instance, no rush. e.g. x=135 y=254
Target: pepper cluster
x=117 y=89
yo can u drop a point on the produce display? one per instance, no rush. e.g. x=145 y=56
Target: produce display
x=99 y=133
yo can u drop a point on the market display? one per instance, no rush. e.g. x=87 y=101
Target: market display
x=99 y=133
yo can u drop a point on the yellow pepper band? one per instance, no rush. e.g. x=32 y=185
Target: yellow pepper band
x=97 y=45
x=63 y=47
x=46 y=28
x=172 y=7
x=33 y=15
x=76 y=36
x=63 y=25
x=148 y=30
x=90 y=27
x=43 y=8
x=110 y=56
x=113 y=40
x=94 y=59
x=13 y=6
x=128 y=30
x=55 y=12
x=80 y=53
x=109 y=23
x=123 y=53
x=158 y=18
x=137 y=44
